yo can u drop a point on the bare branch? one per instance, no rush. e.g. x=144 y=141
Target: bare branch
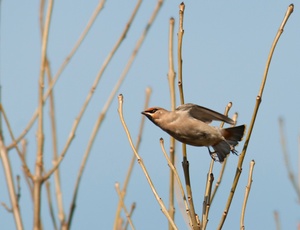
x=288 y=166
x=277 y=220
x=171 y=80
x=248 y=188
x=128 y=216
x=258 y=101
x=48 y=190
x=132 y=162
x=185 y=163
x=141 y=163
x=26 y=170
x=37 y=181
x=174 y=171
x=10 y=185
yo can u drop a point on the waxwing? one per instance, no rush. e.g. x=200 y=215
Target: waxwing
x=189 y=124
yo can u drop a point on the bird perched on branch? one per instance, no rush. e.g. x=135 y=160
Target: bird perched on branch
x=189 y=124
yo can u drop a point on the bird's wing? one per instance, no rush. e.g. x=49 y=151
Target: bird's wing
x=204 y=114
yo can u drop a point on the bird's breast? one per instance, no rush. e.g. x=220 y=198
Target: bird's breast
x=195 y=133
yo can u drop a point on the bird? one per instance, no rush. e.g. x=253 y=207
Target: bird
x=189 y=124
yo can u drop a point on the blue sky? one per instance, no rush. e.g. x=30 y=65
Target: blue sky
x=225 y=48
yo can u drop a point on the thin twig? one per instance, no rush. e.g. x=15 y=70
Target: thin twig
x=277 y=220
x=29 y=180
x=185 y=163
x=132 y=208
x=58 y=192
x=180 y=37
x=128 y=216
x=132 y=162
x=258 y=101
x=171 y=80
x=288 y=166
x=26 y=170
x=221 y=173
x=248 y=188
x=171 y=73
x=219 y=180
x=141 y=163
x=174 y=171
x=10 y=185
x=207 y=199
x=37 y=182
x=8 y=209
x=48 y=190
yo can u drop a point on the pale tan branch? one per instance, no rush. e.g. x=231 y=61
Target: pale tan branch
x=185 y=164
x=248 y=188
x=141 y=163
x=128 y=216
x=171 y=80
x=179 y=50
x=48 y=190
x=58 y=191
x=207 y=199
x=258 y=101
x=174 y=171
x=10 y=185
x=277 y=220
x=132 y=162
x=8 y=209
x=221 y=173
x=37 y=181
x=288 y=166
x=29 y=180
x=26 y=170
x=132 y=208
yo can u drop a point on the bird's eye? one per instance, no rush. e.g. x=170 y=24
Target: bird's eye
x=152 y=110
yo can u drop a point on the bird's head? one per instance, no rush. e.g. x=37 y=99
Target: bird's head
x=155 y=114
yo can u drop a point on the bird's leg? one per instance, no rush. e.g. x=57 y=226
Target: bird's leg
x=213 y=155
x=232 y=148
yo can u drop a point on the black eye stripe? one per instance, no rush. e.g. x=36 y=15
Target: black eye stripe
x=153 y=111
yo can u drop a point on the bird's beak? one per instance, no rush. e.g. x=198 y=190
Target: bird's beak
x=147 y=115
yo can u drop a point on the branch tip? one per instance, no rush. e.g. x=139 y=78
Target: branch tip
x=120 y=98
x=181 y=6
x=291 y=8
x=148 y=90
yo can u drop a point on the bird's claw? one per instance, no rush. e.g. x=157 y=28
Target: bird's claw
x=213 y=155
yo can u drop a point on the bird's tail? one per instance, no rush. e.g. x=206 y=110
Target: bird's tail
x=232 y=136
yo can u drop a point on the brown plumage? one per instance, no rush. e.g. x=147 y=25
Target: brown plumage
x=189 y=124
